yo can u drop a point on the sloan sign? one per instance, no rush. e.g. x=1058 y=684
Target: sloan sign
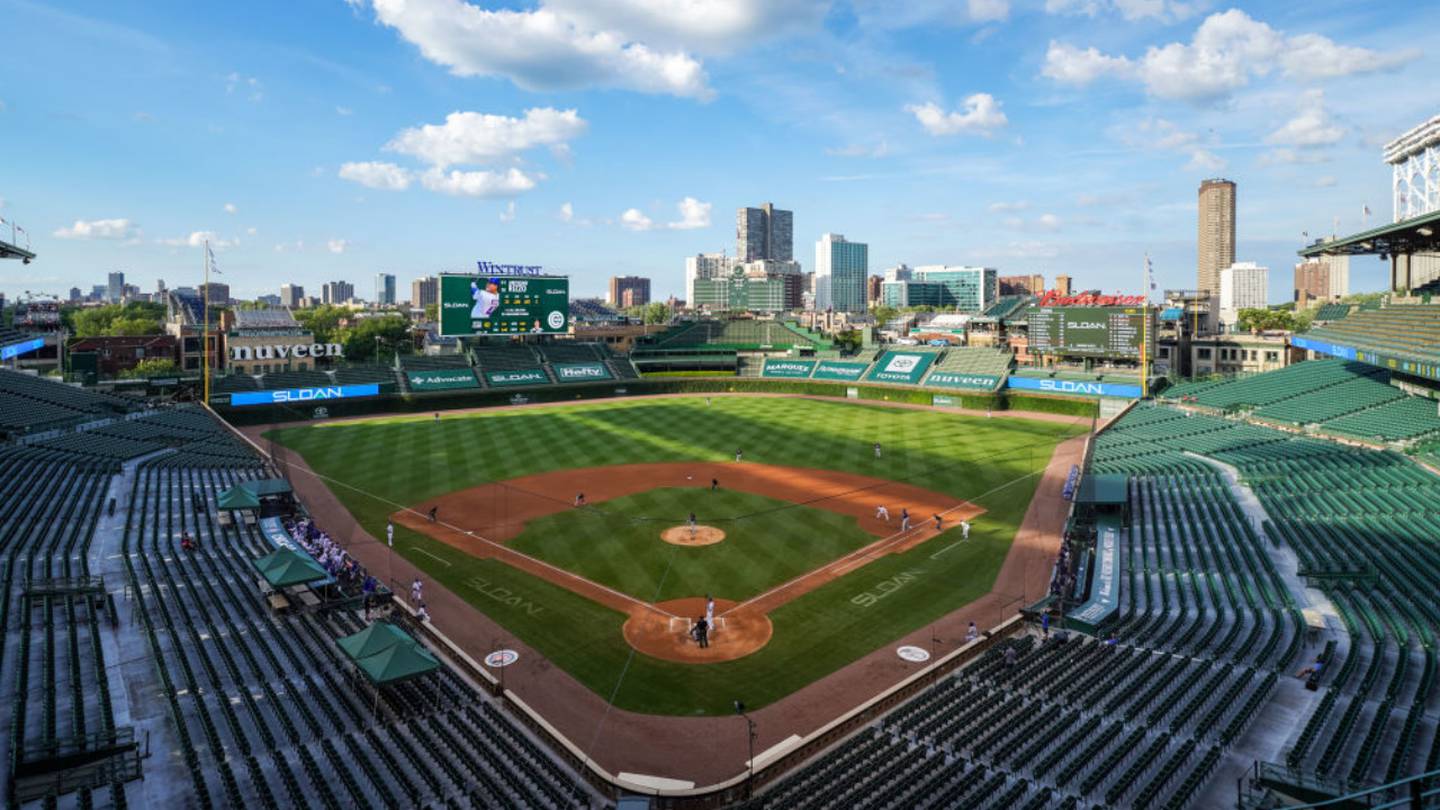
x=285 y=395
x=282 y=352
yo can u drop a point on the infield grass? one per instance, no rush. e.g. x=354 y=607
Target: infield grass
x=381 y=464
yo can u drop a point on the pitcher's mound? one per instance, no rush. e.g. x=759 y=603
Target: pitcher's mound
x=659 y=635
x=701 y=536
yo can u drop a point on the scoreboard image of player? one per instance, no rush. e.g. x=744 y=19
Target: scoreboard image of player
x=472 y=304
x=1089 y=331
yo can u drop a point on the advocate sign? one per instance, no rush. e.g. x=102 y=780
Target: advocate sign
x=284 y=395
x=441 y=380
x=280 y=352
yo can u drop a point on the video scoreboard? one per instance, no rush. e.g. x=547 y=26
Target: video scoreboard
x=483 y=304
x=1091 y=331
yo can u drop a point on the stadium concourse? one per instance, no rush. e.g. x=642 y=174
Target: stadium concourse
x=1245 y=588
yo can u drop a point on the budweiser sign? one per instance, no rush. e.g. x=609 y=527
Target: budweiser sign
x=1055 y=299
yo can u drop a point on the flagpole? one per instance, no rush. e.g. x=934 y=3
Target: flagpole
x=205 y=328
x=1145 y=332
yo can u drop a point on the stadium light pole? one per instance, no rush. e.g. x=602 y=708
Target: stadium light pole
x=750 y=763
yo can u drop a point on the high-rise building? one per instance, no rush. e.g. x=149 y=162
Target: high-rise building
x=216 y=293
x=424 y=292
x=1215 y=240
x=840 y=271
x=963 y=289
x=1022 y=285
x=337 y=292
x=115 y=289
x=764 y=233
x=1312 y=282
x=385 y=289
x=705 y=265
x=629 y=291
x=872 y=290
x=75 y=294
x=290 y=295
x=900 y=272
x=1243 y=285
x=160 y=287
x=1063 y=285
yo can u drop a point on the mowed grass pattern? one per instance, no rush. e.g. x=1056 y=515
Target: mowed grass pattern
x=376 y=466
x=617 y=543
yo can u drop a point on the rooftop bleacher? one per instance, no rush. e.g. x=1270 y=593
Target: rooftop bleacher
x=737 y=334
x=1332 y=312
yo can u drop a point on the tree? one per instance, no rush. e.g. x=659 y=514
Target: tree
x=849 y=341
x=1258 y=319
x=432 y=312
x=129 y=326
x=885 y=314
x=322 y=321
x=657 y=312
x=360 y=340
x=151 y=367
x=141 y=318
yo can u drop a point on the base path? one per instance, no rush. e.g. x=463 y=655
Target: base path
x=738 y=632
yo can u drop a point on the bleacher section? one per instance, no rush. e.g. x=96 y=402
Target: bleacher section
x=1396 y=420
x=1259 y=390
x=1362 y=525
x=30 y=404
x=1332 y=312
x=1410 y=332
x=255 y=709
x=740 y=335
x=979 y=368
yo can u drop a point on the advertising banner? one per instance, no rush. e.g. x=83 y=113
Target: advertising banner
x=24 y=347
x=944 y=401
x=504 y=305
x=838 y=370
x=901 y=367
x=580 y=372
x=304 y=394
x=788 y=368
x=442 y=379
x=1080 y=387
x=950 y=379
x=1105 y=586
x=524 y=376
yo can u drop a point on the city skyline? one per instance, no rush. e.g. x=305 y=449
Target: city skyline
x=355 y=143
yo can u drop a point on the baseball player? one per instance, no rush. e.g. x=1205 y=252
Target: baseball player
x=710 y=612
x=390 y=534
x=415 y=590
x=964 y=530
x=877 y=449
x=714 y=484
x=938 y=525
x=738 y=454
x=881 y=513
x=579 y=499
x=692 y=525
x=904 y=520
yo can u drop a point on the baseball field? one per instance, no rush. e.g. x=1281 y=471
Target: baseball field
x=805 y=575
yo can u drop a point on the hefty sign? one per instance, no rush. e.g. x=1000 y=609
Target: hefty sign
x=580 y=372
x=285 y=395
x=1055 y=299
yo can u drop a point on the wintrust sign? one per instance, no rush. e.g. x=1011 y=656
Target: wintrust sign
x=280 y=352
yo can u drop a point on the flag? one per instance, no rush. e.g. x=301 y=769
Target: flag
x=1149 y=276
x=1365 y=210
x=210 y=257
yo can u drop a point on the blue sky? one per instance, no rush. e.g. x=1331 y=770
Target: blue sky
x=333 y=140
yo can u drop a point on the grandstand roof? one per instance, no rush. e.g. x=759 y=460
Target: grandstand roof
x=1415 y=235
x=9 y=251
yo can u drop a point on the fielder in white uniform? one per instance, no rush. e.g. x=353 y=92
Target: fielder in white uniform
x=710 y=613
x=964 y=530
x=881 y=513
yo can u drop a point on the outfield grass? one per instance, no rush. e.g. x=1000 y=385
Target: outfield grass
x=617 y=543
x=389 y=462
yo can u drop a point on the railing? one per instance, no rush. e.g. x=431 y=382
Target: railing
x=1416 y=791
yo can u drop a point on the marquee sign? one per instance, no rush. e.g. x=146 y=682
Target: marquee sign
x=280 y=352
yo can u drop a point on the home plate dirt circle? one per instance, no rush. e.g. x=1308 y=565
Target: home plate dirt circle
x=701 y=536
x=666 y=635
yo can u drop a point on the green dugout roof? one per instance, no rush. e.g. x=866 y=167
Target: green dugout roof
x=1105 y=490
x=387 y=654
x=237 y=498
x=267 y=486
x=285 y=567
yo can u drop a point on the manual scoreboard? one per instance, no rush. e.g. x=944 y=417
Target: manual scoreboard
x=1090 y=331
x=504 y=305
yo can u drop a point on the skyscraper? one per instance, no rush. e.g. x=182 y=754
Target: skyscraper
x=840 y=271
x=1243 y=285
x=424 y=292
x=1062 y=285
x=764 y=233
x=290 y=295
x=1033 y=284
x=115 y=289
x=1215 y=242
x=385 y=289
x=337 y=292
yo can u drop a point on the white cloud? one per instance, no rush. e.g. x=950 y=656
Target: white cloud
x=989 y=10
x=543 y=49
x=472 y=137
x=1048 y=222
x=1019 y=205
x=1203 y=160
x=250 y=231
x=1129 y=9
x=1286 y=157
x=337 y=245
x=508 y=214
x=246 y=84
x=708 y=26
x=981 y=115
x=880 y=149
x=1070 y=65
x=99 y=229
x=344 y=111
x=1326 y=181
x=198 y=238
x=1311 y=126
x=634 y=220
x=230 y=208
x=379 y=175
x=693 y=214
x=567 y=212
x=1228 y=50
x=506 y=183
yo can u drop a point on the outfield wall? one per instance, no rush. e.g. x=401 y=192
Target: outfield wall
x=471 y=398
